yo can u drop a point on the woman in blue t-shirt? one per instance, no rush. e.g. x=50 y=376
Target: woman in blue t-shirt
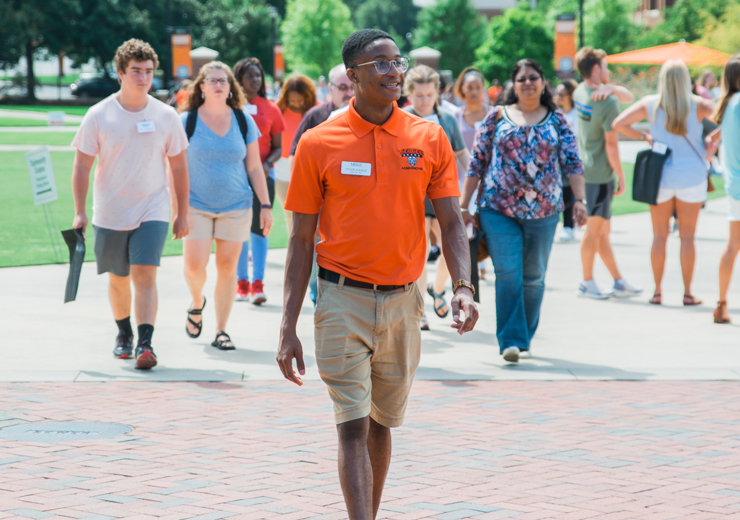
x=221 y=164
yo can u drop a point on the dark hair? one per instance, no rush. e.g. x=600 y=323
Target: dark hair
x=240 y=69
x=356 y=43
x=587 y=58
x=467 y=71
x=730 y=86
x=303 y=86
x=546 y=97
x=570 y=86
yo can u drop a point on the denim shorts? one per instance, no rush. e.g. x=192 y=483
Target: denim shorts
x=116 y=251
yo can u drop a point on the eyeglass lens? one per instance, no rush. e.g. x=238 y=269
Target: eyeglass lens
x=343 y=88
x=524 y=79
x=216 y=81
x=384 y=66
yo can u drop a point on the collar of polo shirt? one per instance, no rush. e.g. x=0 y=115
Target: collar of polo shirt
x=361 y=127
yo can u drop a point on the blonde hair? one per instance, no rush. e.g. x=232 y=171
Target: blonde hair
x=674 y=96
x=195 y=97
x=421 y=75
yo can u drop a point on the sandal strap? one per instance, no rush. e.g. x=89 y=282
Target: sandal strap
x=197 y=312
x=222 y=333
x=197 y=324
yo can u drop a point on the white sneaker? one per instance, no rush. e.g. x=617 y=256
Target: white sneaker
x=525 y=354
x=591 y=290
x=566 y=234
x=624 y=289
x=511 y=354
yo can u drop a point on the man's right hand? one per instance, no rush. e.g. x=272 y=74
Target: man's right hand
x=290 y=348
x=80 y=221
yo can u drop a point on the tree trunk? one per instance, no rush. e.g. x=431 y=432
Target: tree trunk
x=30 y=76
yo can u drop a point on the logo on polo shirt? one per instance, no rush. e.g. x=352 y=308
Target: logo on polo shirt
x=412 y=155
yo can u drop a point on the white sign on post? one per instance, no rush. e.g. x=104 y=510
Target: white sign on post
x=43 y=185
x=55 y=119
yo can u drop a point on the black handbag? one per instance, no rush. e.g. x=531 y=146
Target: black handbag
x=648 y=171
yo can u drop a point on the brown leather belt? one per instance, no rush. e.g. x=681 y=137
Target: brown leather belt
x=331 y=276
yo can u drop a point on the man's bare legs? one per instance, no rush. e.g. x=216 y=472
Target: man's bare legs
x=119 y=295
x=144 y=279
x=364 y=459
x=596 y=240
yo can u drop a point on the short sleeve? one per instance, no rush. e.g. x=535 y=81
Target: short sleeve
x=568 y=159
x=253 y=133
x=306 y=189
x=306 y=124
x=611 y=111
x=443 y=182
x=177 y=140
x=278 y=123
x=86 y=140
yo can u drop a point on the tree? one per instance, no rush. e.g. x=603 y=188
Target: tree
x=684 y=20
x=313 y=34
x=722 y=34
x=397 y=17
x=519 y=33
x=454 y=28
x=609 y=25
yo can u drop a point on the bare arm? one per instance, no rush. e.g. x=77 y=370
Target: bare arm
x=705 y=108
x=612 y=154
x=259 y=184
x=276 y=149
x=463 y=158
x=634 y=114
x=80 y=185
x=456 y=250
x=297 y=273
x=578 y=185
x=181 y=185
x=621 y=93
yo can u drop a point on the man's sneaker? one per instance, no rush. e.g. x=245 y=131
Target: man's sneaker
x=591 y=290
x=525 y=354
x=242 y=291
x=624 y=289
x=566 y=234
x=145 y=358
x=124 y=346
x=511 y=354
x=257 y=293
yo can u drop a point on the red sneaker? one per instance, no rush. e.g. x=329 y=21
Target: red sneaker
x=242 y=291
x=257 y=293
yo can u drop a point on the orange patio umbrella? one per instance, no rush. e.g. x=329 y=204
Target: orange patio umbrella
x=688 y=53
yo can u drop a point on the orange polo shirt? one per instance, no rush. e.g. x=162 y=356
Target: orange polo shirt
x=369 y=182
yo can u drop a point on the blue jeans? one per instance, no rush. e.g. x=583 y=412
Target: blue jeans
x=260 y=245
x=519 y=250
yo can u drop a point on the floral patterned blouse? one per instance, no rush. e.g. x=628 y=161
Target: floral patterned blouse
x=521 y=165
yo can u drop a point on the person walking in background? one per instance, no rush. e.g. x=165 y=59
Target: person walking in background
x=675 y=117
x=707 y=81
x=728 y=117
x=422 y=87
x=133 y=135
x=520 y=153
x=220 y=159
x=322 y=90
x=367 y=170
x=564 y=99
x=251 y=76
x=297 y=98
x=597 y=103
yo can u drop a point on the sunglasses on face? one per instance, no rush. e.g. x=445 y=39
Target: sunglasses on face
x=384 y=66
x=216 y=81
x=531 y=79
x=343 y=88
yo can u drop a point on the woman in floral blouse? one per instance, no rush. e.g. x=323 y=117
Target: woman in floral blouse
x=520 y=151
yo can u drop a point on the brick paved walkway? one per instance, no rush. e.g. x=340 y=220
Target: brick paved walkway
x=484 y=450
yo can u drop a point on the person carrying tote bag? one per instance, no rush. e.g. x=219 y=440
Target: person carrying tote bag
x=675 y=117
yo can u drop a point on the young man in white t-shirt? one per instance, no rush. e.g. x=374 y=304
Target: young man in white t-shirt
x=132 y=135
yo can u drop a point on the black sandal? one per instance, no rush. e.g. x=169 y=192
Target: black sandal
x=438 y=296
x=197 y=325
x=223 y=344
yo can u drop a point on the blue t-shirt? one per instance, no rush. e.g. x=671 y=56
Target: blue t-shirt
x=731 y=144
x=218 y=178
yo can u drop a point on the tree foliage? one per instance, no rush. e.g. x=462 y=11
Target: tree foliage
x=609 y=25
x=723 y=34
x=519 y=33
x=454 y=28
x=313 y=34
x=397 y=17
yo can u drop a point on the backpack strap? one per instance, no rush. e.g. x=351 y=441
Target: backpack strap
x=190 y=123
x=242 y=120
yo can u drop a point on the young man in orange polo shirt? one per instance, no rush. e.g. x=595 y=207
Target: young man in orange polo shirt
x=368 y=170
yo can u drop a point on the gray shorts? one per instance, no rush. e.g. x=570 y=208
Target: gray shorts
x=116 y=251
x=599 y=200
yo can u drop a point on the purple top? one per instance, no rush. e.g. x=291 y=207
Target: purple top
x=468 y=133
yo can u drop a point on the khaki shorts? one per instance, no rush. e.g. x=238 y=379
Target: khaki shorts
x=368 y=345
x=232 y=226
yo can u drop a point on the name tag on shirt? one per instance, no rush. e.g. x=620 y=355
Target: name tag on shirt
x=660 y=148
x=356 y=168
x=145 y=127
x=251 y=110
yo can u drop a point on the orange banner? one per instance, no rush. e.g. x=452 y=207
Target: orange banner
x=279 y=69
x=565 y=46
x=182 y=64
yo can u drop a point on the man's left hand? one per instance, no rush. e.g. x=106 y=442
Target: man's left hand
x=603 y=92
x=463 y=301
x=180 y=227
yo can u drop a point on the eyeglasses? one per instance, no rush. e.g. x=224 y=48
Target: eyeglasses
x=216 y=81
x=531 y=79
x=343 y=88
x=384 y=66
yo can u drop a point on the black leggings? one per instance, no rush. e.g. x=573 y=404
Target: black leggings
x=568 y=211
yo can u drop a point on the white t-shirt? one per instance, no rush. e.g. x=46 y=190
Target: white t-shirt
x=572 y=119
x=131 y=178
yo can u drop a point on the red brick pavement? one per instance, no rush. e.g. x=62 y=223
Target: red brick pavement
x=484 y=450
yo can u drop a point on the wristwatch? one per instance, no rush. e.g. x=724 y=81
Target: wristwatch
x=582 y=201
x=266 y=206
x=462 y=283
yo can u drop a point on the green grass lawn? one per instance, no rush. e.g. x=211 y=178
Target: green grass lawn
x=52 y=80
x=18 y=121
x=73 y=111
x=39 y=138
x=24 y=239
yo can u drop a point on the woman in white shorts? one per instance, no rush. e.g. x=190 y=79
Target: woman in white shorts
x=222 y=161
x=675 y=117
x=728 y=117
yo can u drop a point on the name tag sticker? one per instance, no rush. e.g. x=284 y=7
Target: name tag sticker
x=356 y=168
x=251 y=110
x=144 y=127
x=660 y=148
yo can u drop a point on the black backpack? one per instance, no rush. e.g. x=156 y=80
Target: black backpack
x=193 y=120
